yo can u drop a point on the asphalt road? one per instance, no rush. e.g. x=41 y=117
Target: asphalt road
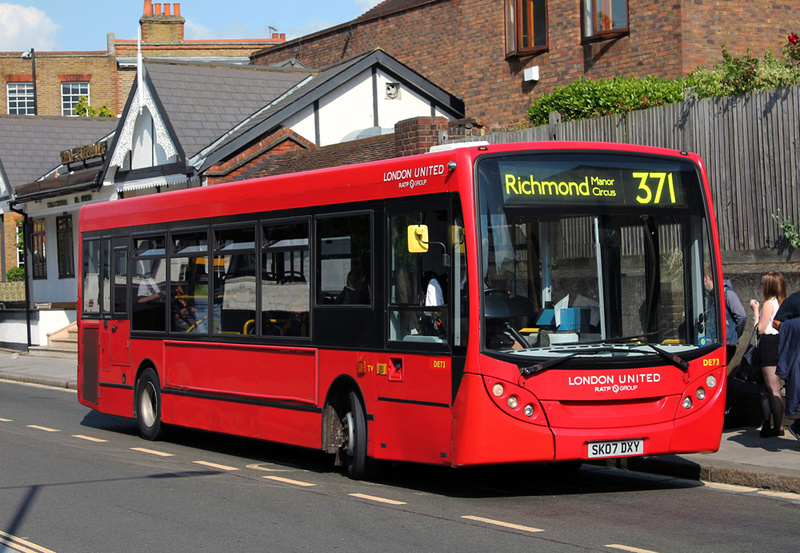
x=72 y=480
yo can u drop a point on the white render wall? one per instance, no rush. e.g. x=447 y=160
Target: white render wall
x=351 y=106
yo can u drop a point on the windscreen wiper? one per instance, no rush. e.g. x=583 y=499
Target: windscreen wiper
x=550 y=363
x=679 y=362
x=530 y=370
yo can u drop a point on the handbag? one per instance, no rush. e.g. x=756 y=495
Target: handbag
x=749 y=368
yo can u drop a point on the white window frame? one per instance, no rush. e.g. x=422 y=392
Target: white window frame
x=22 y=93
x=69 y=97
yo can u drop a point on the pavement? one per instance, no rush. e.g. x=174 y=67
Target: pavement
x=743 y=459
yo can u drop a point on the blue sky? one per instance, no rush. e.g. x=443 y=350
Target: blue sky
x=59 y=25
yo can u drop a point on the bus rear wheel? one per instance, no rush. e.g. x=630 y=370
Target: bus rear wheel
x=148 y=405
x=354 y=447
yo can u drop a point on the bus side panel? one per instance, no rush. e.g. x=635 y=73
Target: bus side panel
x=483 y=434
x=413 y=416
x=262 y=392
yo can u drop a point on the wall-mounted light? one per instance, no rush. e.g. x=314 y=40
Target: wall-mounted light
x=531 y=74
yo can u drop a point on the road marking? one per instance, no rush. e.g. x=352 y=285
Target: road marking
x=89 y=438
x=257 y=466
x=729 y=487
x=503 y=524
x=19 y=544
x=46 y=429
x=780 y=495
x=628 y=548
x=288 y=481
x=152 y=452
x=6 y=420
x=214 y=465
x=378 y=499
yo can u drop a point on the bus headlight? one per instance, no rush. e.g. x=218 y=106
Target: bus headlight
x=512 y=402
x=687 y=402
x=529 y=410
x=700 y=394
x=498 y=390
x=711 y=381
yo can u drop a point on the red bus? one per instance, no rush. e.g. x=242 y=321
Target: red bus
x=530 y=302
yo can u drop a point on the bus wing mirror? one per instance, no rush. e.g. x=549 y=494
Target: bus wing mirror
x=417 y=238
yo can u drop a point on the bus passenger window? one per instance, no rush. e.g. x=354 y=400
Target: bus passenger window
x=285 y=292
x=344 y=260
x=149 y=285
x=234 y=296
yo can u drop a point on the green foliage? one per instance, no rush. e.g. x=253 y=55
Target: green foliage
x=789 y=231
x=83 y=109
x=15 y=274
x=586 y=98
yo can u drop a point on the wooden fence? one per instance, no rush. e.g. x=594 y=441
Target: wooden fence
x=749 y=143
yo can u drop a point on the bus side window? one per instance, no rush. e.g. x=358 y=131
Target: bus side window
x=235 y=280
x=344 y=260
x=285 y=268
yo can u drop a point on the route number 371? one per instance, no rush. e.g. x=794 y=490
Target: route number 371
x=651 y=187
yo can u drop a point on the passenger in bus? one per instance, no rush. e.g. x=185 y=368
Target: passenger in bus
x=149 y=290
x=183 y=312
x=354 y=291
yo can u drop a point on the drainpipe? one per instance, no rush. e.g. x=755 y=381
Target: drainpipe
x=26 y=241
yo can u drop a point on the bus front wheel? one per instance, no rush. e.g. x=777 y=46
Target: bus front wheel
x=354 y=447
x=148 y=408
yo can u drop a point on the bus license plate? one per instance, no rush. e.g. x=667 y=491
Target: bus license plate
x=616 y=449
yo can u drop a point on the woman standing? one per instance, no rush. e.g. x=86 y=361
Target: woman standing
x=774 y=290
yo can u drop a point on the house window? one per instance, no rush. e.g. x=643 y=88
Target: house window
x=71 y=93
x=20 y=98
x=526 y=26
x=64 y=246
x=604 y=18
x=38 y=250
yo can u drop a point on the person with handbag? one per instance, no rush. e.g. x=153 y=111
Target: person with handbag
x=774 y=291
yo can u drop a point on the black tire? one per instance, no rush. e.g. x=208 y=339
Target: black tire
x=354 y=448
x=148 y=405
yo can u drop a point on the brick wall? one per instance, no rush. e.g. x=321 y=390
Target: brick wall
x=10 y=240
x=460 y=44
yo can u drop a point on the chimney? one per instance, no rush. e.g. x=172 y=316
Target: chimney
x=161 y=28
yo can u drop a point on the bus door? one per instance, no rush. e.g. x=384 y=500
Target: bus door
x=413 y=379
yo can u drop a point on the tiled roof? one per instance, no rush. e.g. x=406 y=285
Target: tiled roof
x=204 y=103
x=30 y=147
x=391 y=6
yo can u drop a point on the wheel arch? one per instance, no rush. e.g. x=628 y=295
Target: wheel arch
x=334 y=408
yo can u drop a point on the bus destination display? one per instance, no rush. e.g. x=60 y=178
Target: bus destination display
x=529 y=183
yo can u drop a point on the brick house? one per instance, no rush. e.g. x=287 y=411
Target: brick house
x=499 y=55
x=105 y=77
